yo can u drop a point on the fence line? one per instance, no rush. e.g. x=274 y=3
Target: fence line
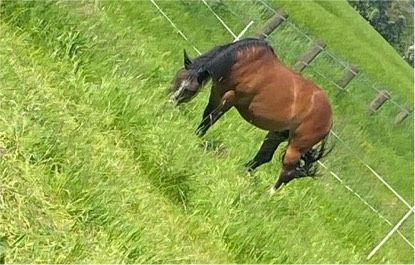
x=220 y=20
x=347 y=90
x=373 y=85
x=328 y=79
x=364 y=201
x=236 y=38
x=341 y=62
x=332 y=173
x=388 y=186
x=174 y=26
x=372 y=170
x=285 y=19
x=310 y=67
x=394 y=229
x=244 y=30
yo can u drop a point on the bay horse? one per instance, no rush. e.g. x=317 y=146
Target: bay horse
x=248 y=75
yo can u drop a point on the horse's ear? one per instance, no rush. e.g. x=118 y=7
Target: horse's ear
x=187 y=61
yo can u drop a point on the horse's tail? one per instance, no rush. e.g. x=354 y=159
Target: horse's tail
x=308 y=159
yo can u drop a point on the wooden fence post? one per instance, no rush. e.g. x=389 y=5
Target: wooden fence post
x=309 y=56
x=348 y=76
x=279 y=17
x=402 y=115
x=379 y=100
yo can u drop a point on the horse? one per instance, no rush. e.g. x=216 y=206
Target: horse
x=249 y=76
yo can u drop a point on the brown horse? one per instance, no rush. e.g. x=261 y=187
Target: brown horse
x=249 y=76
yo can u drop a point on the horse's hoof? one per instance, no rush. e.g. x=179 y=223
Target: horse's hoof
x=277 y=186
x=250 y=169
x=250 y=166
x=272 y=191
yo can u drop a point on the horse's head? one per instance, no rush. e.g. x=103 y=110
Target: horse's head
x=188 y=82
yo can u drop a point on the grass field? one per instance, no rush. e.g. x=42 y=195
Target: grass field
x=97 y=166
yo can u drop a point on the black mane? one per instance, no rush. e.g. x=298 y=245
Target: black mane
x=219 y=60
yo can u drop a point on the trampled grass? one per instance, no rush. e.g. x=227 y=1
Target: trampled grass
x=99 y=167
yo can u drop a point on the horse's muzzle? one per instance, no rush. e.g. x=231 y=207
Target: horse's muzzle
x=178 y=98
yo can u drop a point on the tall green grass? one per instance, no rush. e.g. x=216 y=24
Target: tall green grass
x=99 y=167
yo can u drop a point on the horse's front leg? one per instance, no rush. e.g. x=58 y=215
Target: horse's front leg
x=214 y=110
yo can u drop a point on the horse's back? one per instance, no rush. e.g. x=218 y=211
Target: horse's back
x=272 y=96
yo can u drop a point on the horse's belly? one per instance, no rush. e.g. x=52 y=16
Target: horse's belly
x=264 y=119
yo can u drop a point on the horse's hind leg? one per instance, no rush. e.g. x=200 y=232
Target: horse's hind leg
x=300 y=147
x=267 y=150
x=290 y=162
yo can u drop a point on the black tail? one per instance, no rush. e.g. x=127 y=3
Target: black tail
x=308 y=160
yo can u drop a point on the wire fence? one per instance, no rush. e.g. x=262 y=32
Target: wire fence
x=336 y=176
x=350 y=150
